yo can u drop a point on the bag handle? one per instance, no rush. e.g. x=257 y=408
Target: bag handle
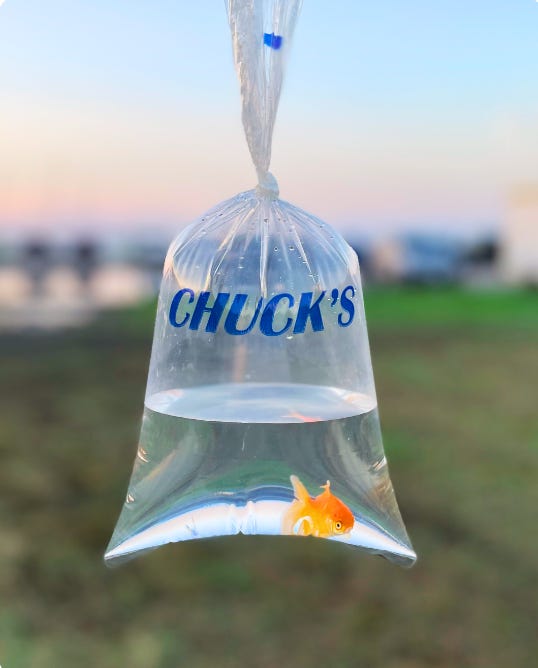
x=262 y=31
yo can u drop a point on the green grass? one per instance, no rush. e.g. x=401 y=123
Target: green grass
x=456 y=374
x=413 y=307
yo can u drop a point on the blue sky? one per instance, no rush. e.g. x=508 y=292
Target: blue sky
x=117 y=113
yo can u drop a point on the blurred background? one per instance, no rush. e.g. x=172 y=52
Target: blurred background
x=412 y=129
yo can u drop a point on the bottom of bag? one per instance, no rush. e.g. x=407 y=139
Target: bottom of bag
x=256 y=517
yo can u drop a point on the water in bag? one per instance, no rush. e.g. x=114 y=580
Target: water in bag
x=260 y=412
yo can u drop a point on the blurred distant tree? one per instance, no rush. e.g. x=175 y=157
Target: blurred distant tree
x=86 y=259
x=37 y=260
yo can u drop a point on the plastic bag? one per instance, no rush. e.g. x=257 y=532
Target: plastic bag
x=260 y=388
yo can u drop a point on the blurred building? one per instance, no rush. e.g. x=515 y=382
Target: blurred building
x=417 y=258
x=519 y=237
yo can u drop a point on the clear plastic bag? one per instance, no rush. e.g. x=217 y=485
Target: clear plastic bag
x=260 y=388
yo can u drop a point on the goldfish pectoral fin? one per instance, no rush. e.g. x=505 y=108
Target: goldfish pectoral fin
x=304 y=527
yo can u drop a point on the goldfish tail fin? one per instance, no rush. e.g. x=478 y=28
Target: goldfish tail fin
x=300 y=491
x=298 y=511
x=290 y=517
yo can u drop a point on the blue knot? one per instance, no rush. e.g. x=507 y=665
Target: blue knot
x=272 y=41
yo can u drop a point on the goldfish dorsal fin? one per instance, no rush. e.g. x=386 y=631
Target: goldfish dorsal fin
x=300 y=491
x=327 y=486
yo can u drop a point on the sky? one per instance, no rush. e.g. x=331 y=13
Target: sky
x=125 y=114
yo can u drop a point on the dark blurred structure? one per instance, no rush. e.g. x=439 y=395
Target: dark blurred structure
x=484 y=252
x=92 y=273
x=85 y=259
x=480 y=261
x=36 y=261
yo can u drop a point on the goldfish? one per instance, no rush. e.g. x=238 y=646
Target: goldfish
x=323 y=516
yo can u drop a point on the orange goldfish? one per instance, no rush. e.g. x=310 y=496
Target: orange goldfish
x=323 y=516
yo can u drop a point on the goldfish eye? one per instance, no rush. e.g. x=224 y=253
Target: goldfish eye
x=338 y=526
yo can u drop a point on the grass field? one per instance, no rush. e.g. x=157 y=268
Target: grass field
x=457 y=377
